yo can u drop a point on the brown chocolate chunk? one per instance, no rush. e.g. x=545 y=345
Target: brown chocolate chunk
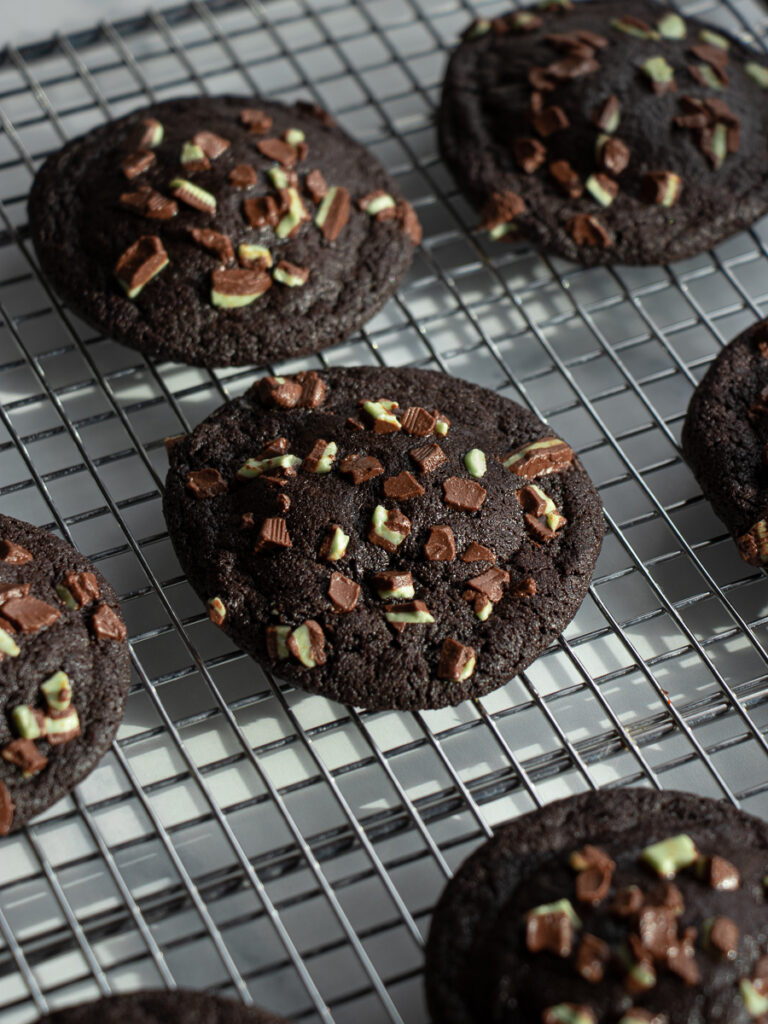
x=539 y=461
x=324 y=551
x=592 y=957
x=149 y=203
x=354 y=424
x=216 y=242
x=585 y=229
x=408 y=221
x=657 y=928
x=281 y=392
x=312 y=461
x=300 y=274
x=604 y=116
x=454 y=658
x=137 y=163
x=14 y=554
x=256 y=121
x=277 y=446
x=275 y=149
x=724 y=936
x=392 y=580
x=343 y=592
x=627 y=901
x=206 y=483
x=315 y=185
x=240 y=281
x=549 y=933
x=681 y=959
x=361 y=467
x=490 y=584
x=7 y=807
x=24 y=754
x=607 y=185
x=440 y=545
x=30 y=614
x=655 y=186
x=9 y=590
x=402 y=487
x=567 y=178
x=532 y=500
x=428 y=457
x=408 y=607
x=418 y=422
x=337 y=216
x=273 y=643
x=141 y=261
x=593 y=884
x=316 y=643
x=143 y=134
x=714 y=55
x=478 y=553
x=211 y=144
x=614 y=156
x=539 y=530
x=273 y=534
x=718 y=70
x=107 y=624
x=550 y=120
x=574 y=66
x=313 y=389
x=465 y=495
x=83 y=586
x=243 y=176
x=262 y=212
x=667 y=895
x=387 y=213
x=283 y=502
x=397 y=523
x=542 y=80
x=530 y=154
x=501 y=208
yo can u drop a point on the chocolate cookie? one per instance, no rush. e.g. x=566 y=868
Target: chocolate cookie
x=389 y=538
x=623 y=907
x=608 y=132
x=64 y=670
x=725 y=440
x=162 y=1008
x=222 y=231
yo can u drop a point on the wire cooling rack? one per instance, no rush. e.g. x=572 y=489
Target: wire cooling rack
x=242 y=836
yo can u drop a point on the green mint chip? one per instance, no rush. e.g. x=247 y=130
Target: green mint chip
x=441 y=426
x=26 y=723
x=568 y=1013
x=672 y=26
x=670 y=855
x=282 y=633
x=710 y=77
x=714 y=39
x=381 y=410
x=8 y=645
x=563 y=906
x=476 y=463
x=754 y=1001
x=405 y=593
x=411 y=618
x=325 y=463
x=296 y=214
x=278 y=176
x=484 y=611
x=248 y=252
x=202 y=197
x=478 y=28
x=596 y=190
x=500 y=230
x=294 y=136
x=380 y=528
x=291 y=280
x=303 y=642
x=385 y=202
x=630 y=29
x=468 y=669
x=57 y=691
x=339 y=543
x=325 y=206
x=58 y=726
x=66 y=597
x=757 y=73
x=720 y=144
x=255 y=467
x=658 y=69
x=191 y=153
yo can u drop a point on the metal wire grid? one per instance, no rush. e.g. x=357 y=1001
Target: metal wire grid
x=245 y=837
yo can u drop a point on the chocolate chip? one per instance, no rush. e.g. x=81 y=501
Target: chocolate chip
x=465 y=495
x=273 y=534
x=354 y=424
x=490 y=584
x=501 y=208
x=530 y=154
x=240 y=281
x=428 y=457
x=533 y=500
x=714 y=55
x=316 y=649
x=145 y=135
x=409 y=608
x=277 y=446
x=418 y=422
x=667 y=895
x=699 y=73
x=440 y=545
x=454 y=659
x=140 y=262
x=9 y=590
x=593 y=884
x=478 y=553
x=343 y=592
x=206 y=483
x=592 y=957
x=315 y=185
x=295 y=275
x=30 y=614
x=724 y=936
x=585 y=229
x=722 y=875
x=7 y=807
x=282 y=392
x=107 y=625
x=262 y=212
x=211 y=144
x=574 y=66
x=549 y=933
x=216 y=242
x=336 y=215
x=256 y=121
x=361 y=468
x=606 y=116
x=243 y=176
x=402 y=487
x=149 y=203
x=137 y=163
x=392 y=582
x=14 y=554
x=657 y=928
x=312 y=461
x=24 y=754
x=681 y=959
x=83 y=586
x=396 y=523
x=538 y=529
x=551 y=120
x=661 y=188
x=567 y=178
x=275 y=149
x=542 y=80
x=614 y=156
x=313 y=389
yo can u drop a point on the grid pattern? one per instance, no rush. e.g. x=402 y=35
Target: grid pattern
x=267 y=844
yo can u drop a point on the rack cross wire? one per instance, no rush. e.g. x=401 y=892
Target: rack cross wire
x=273 y=846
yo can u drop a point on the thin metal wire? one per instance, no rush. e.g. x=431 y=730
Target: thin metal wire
x=438 y=785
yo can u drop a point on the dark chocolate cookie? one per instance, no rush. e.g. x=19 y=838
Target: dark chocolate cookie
x=222 y=231
x=725 y=440
x=64 y=670
x=163 y=1008
x=608 y=132
x=624 y=907
x=389 y=538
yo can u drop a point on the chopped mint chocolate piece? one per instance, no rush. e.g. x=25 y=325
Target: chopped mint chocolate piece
x=607 y=117
x=441 y=426
x=478 y=28
x=382 y=415
x=295 y=216
x=662 y=188
x=217 y=610
x=410 y=617
x=277 y=642
x=379 y=203
x=8 y=645
x=279 y=177
x=290 y=275
x=193 y=195
x=395 y=586
x=500 y=230
x=61 y=730
x=325 y=462
x=65 y=594
x=635 y=1016
x=140 y=263
x=476 y=463
x=337 y=546
x=719 y=149
x=293 y=136
x=568 y=1013
x=57 y=691
x=661 y=74
x=672 y=26
x=379 y=521
x=231 y=289
x=333 y=212
x=248 y=254
x=642 y=976
x=549 y=455
x=307 y=643
x=27 y=722
x=149 y=134
x=755 y=1002
x=708 y=76
x=483 y=607
x=669 y=856
x=255 y=467
x=563 y=906
x=757 y=73
x=714 y=39
x=193 y=158
x=634 y=27
x=601 y=188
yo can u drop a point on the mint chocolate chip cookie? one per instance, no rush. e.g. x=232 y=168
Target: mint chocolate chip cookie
x=222 y=231
x=388 y=538
x=622 y=907
x=64 y=670
x=162 y=1008
x=607 y=132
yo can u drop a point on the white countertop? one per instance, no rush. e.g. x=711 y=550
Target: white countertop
x=31 y=20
